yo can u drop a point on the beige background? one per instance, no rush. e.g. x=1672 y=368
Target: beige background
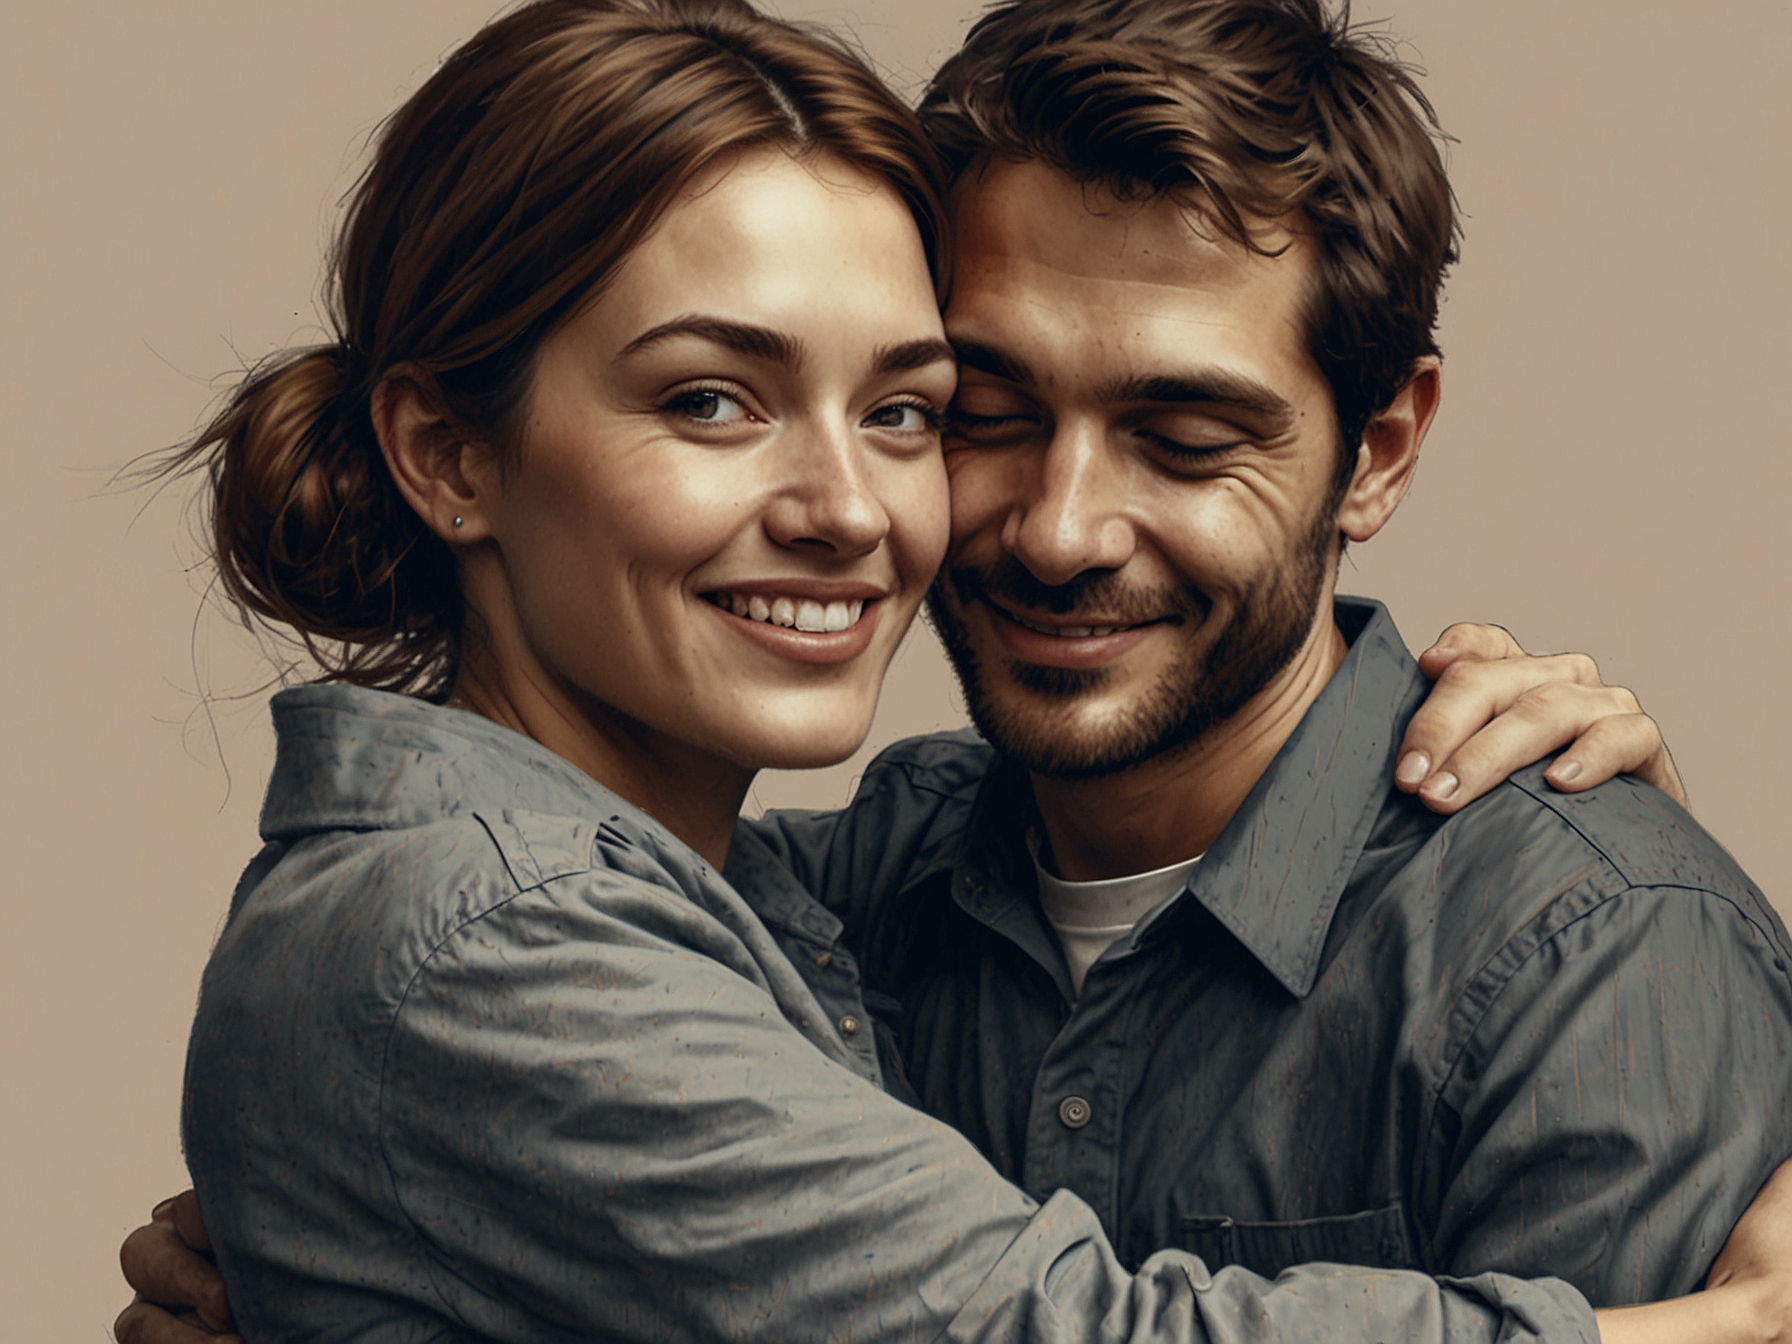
x=1609 y=473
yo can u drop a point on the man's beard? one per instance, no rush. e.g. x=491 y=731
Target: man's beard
x=1200 y=689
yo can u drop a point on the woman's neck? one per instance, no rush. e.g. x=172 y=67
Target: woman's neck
x=692 y=793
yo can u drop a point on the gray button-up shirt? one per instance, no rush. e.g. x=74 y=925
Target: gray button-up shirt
x=1552 y=1033
x=483 y=1053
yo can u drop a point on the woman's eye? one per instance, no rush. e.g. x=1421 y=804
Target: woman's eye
x=709 y=407
x=905 y=416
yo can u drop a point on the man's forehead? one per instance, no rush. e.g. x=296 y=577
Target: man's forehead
x=1081 y=287
x=1029 y=214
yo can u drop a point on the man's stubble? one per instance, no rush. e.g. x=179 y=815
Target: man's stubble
x=1210 y=678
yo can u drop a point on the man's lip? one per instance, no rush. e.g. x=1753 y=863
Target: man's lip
x=1075 y=652
x=1062 y=627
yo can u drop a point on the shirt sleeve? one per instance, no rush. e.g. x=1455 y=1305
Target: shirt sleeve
x=1622 y=1092
x=599 y=1128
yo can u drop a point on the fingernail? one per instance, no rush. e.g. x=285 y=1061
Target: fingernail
x=1413 y=768
x=1565 y=772
x=1442 y=787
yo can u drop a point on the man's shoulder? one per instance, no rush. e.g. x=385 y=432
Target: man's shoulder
x=1622 y=836
x=1527 y=884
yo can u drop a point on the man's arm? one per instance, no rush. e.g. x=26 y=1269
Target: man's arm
x=740 y=1184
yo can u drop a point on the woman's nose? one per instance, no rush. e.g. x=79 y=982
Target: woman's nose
x=825 y=501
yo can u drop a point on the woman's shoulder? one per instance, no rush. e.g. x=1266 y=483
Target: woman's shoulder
x=367 y=910
x=411 y=862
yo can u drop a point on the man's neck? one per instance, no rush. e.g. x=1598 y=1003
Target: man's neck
x=1173 y=806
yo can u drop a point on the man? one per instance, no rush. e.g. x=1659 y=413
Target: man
x=1169 y=939
x=1200 y=255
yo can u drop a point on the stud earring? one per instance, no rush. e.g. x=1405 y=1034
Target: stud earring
x=458 y=520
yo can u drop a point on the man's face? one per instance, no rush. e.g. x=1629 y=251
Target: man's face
x=1142 y=467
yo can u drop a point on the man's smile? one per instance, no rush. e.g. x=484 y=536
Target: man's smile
x=1076 y=640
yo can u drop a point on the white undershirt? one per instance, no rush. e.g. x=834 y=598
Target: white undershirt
x=1089 y=917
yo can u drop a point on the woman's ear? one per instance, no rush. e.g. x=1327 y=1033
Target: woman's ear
x=1390 y=452
x=444 y=473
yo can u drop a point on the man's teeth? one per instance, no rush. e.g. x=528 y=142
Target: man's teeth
x=1070 y=631
x=806 y=614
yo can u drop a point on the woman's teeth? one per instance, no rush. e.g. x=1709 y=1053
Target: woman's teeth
x=804 y=613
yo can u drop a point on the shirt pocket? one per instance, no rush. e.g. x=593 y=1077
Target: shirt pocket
x=1376 y=1238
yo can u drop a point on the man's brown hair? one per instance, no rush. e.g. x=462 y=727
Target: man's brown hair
x=1249 y=111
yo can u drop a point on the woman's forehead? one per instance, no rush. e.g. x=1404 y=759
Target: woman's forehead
x=778 y=240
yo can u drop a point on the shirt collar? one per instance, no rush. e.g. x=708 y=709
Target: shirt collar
x=353 y=759
x=1274 y=875
x=348 y=758
x=1276 y=872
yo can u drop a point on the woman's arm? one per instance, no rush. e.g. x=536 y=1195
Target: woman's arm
x=1495 y=709
x=1748 y=1296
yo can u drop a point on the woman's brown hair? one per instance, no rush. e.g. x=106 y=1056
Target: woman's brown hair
x=500 y=198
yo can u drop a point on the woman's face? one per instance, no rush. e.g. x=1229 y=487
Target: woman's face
x=730 y=496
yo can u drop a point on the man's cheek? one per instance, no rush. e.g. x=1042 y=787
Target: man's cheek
x=981 y=492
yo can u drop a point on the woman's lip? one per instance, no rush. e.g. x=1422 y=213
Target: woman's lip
x=1075 y=652
x=816 y=590
x=806 y=646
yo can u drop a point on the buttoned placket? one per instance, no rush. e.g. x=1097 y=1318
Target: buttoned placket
x=809 y=935
x=1075 y=1117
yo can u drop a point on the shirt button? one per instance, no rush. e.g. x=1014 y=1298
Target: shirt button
x=849 y=1025
x=1075 y=1112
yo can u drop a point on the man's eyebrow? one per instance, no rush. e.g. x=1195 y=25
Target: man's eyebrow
x=745 y=338
x=986 y=359
x=1206 y=387
x=911 y=355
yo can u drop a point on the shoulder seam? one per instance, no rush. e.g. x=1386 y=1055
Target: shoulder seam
x=1453 y=1061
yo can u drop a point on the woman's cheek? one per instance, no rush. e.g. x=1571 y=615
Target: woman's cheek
x=922 y=517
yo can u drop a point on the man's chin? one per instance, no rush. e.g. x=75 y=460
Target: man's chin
x=1059 y=722
x=1080 y=723
x=1064 y=734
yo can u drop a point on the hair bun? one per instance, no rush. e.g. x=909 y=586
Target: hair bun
x=310 y=532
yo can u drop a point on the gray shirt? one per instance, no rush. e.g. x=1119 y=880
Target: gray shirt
x=1549 y=1034
x=485 y=1053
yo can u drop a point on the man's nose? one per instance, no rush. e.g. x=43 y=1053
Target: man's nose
x=1071 y=516
x=824 y=499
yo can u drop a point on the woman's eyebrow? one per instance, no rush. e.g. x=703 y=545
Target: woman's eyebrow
x=744 y=338
x=911 y=355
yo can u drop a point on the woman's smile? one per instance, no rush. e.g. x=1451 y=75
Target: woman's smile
x=807 y=621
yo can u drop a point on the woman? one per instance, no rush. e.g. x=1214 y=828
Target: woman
x=626 y=468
